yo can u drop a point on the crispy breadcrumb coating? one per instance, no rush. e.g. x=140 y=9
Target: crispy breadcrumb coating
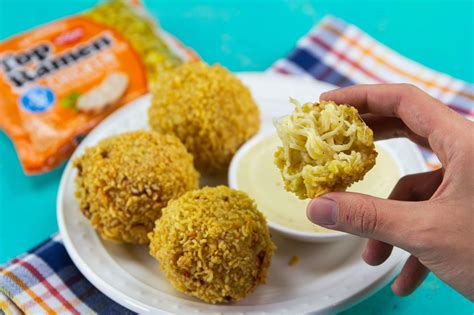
x=208 y=109
x=213 y=244
x=124 y=181
x=326 y=147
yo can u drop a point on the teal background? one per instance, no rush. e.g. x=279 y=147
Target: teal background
x=249 y=36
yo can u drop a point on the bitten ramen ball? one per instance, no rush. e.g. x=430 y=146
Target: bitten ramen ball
x=325 y=147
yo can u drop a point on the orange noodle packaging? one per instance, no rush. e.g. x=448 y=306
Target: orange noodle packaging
x=61 y=79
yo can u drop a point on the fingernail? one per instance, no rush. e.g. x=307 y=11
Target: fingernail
x=395 y=288
x=322 y=211
x=365 y=254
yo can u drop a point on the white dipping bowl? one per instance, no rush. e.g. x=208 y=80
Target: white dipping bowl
x=405 y=154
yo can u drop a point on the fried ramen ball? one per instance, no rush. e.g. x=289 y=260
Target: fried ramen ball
x=208 y=109
x=213 y=244
x=326 y=147
x=124 y=181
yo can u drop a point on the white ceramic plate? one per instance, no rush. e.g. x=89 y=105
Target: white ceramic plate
x=328 y=278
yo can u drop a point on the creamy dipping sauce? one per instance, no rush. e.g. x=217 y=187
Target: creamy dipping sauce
x=258 y=176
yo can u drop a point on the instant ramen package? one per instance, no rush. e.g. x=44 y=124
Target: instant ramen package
x=61 y=79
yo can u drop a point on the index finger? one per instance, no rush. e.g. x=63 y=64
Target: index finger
x=392 y=127
x=422 y=113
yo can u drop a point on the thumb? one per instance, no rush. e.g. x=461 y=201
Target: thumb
x=384 y=220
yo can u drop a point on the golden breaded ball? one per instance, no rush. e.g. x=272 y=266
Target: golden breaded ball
x=326 y=147
x=124 y=181
x=208 y=109
x=213 y=244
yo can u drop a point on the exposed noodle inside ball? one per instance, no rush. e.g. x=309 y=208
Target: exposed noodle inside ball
x=325 y=147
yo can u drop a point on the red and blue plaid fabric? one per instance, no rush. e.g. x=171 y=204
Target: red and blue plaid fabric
x=45 y=280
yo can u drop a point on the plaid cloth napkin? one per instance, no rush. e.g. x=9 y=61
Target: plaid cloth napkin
x=45 y=280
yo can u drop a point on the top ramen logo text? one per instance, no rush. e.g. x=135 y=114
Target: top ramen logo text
x=20 y=69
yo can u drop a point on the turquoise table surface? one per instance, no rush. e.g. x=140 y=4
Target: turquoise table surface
x=249 y=36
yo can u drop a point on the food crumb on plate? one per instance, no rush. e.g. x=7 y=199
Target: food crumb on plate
x=294 y=260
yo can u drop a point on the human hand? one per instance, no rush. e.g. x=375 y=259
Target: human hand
x=430 y=215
